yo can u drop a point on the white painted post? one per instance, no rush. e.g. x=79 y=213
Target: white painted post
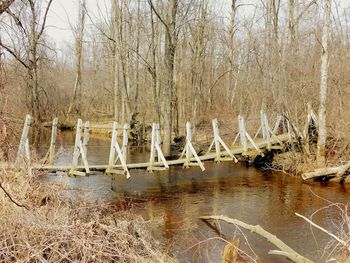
x=242 y=134
x=190 y=151
x=76 y=152
x=125 y=140
x=265 y=129
x=159 y=150
x=23 y=153
x=112 y=149
x=79 y=151
x=86 y=135
x=188 y=140
x=158 y=142
x=52 y=148
x=216 y=140
x=115 y=148
x=153 y=141
x=155 y=149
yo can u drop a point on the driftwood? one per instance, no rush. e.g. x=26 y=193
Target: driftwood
x=328 y=171
x=285 y=250
x=344 y=243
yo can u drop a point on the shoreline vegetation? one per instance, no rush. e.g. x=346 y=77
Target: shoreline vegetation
x=38 y=225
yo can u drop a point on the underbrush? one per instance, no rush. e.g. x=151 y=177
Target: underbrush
x=38 y=225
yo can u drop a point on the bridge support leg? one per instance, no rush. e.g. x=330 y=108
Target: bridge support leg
x=242 y=134
x=190 y=151
x=52 y=149
x=86 y=135
x=50 y=155
x=23 y=153
x=79 y=151
x=245 y=137
x=265 y=129
x=121 y=155
x=218 y=142
x=155 y=149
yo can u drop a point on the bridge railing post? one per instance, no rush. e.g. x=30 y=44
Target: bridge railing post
x=79 y=151
x=155 y=149
x=86 y=135
x=189 y=150
x=265 y=129
x=245 y=137
x=218 y=142
x=52 y=148
x=121 y=154
x=50 y=155
x=242 y=134
x=23 y=153
x=126 y=127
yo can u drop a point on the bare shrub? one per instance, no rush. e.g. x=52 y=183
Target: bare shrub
x=37 y=225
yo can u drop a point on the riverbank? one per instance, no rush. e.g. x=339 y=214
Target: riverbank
x=37 y=224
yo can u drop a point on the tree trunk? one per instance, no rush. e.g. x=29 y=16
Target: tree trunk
x=322 y=133
x=77 y=94
x=292 y=24
x=169 y=59
x=231 y=59
x=33 y=67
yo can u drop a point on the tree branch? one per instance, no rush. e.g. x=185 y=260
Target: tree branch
x=44 y=21
x=16 y=56
x=345 y=244
x=5 y=4
x=17 y=20
x=12 y=200
x=159 y=16
x=305 y=9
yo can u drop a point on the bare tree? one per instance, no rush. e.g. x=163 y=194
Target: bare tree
x=33 y=31
x=79 y=37
x=171 y=37
x=198 y=57
x=322 y=133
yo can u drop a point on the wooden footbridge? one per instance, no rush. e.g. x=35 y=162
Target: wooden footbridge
x=265 y=139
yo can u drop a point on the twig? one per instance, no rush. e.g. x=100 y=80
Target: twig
x=324 y=230
x=12 y=200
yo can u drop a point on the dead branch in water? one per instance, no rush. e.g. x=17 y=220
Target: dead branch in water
x=285 y=250
x=324 y=230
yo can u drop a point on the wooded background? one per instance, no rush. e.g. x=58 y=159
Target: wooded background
x=174 y=60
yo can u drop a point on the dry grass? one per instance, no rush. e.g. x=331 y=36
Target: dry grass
x=43 y=228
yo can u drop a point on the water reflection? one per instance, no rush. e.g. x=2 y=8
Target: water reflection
x=178 y=197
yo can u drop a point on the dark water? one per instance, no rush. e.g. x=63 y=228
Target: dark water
x=176 y=198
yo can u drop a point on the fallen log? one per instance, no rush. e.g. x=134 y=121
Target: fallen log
x=338 y=171
x=320 y=173
x=285 y=250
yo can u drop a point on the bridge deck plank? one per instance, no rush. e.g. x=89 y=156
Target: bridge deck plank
x=210 y=156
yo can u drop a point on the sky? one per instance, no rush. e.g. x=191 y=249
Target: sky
x=64 y=12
